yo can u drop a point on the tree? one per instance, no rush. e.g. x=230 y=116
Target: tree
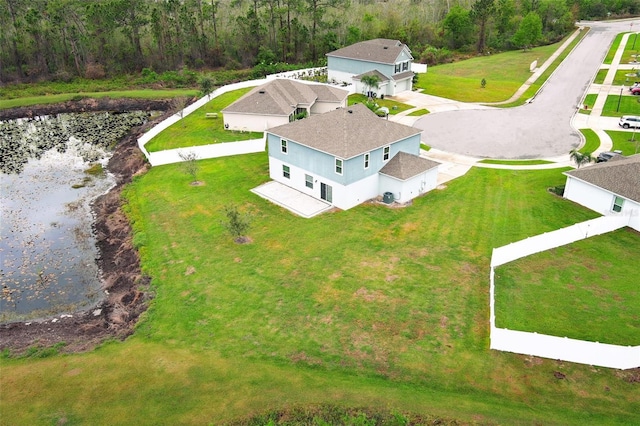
x=458 y=27
x=370 y=81
x=177 y=105
x=580 y=158
x=190 y=165
x=237 y=224
x=206 y=86
x=529 y=32
x=481 y=11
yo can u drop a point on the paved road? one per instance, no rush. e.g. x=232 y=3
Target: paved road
x=536 y=130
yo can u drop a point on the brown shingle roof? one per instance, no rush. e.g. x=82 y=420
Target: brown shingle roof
x=378 y=50
x=620 y=176
x=281 y=96
x=381 y=76
x=345 y=132
x=404 y=166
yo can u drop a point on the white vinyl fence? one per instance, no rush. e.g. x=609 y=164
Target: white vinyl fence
x=563 y=348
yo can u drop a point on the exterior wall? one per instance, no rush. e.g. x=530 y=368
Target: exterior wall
x=321 y=164
x=594 y=198
x=252 y=122
x=343 y=196
x=404 y=191
x=322 y=107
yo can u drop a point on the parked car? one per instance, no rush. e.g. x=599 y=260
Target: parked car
x=627 y=121
x=635 y=91
x=634 y=85
x=607 y=155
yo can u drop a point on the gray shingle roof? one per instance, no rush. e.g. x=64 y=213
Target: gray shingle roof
x=620 y=176
x=378 y=50
x=381 y=76
x=404 y=166
x=345 y=132
x=281 y=96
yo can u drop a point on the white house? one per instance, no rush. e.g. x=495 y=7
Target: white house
x=610 y=188
x=348 y=156
x=278 y=102
x=390 y=60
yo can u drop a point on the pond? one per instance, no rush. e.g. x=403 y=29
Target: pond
x=52 y=169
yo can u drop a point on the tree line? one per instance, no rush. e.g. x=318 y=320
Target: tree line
x=63 y=39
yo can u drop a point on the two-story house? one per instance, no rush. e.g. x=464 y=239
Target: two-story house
x=390 y=60
x=348 y=156
x=280 y=101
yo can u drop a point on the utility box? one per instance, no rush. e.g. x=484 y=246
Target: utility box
x=387 y=197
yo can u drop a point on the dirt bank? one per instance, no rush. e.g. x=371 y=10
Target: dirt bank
x=126 y=286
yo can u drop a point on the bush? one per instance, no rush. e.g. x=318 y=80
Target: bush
x=95 y=72
x=433 y=56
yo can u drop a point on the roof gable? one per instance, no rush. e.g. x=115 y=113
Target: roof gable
x=404 y=166
x=381 y=50
x=345 y=132
x=619 y=176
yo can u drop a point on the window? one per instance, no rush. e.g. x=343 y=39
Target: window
x=385 y=153
x=308 y=181
x=405 y=66
x=338 y=166
x=366 y=160
x=618 y=202
x=286 y=171
x=398 y=66
x=283 y=146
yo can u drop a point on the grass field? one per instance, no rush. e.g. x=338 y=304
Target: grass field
x=623 y=141
x=394 y=107
x=515 y=162
x=369 y=307
x=592 y=141
x=196 y=129
x=585 y=290
x=504 y=74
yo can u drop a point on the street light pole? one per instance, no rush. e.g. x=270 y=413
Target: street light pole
x=620 y=98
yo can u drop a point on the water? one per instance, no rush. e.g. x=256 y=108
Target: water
x=47 y=246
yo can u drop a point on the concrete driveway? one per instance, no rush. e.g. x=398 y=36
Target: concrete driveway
x=541 y=129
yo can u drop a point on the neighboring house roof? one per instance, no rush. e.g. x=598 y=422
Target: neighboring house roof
x=377 y=73
x=327 y=93
x=403 y=75
x=404 y=166
x=378 y=50
x=282 y=96
x=620 y=176
x=345 y=132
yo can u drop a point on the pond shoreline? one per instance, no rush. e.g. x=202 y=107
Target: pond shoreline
x=126 y=287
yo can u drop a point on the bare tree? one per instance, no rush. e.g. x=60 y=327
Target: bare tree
x=178 y=105
x=190 y=165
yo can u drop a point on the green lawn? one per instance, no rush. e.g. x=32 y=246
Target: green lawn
x=196 y=129
x=619 y=105
x=587 y=290
x=612 y=50
x=370 y=307
x=394 y=107
x=623 y=141
x=515 y=162
x=116 y=94
x=621 y=77
x=592 y=141
x=504 y=74
x=419 y=112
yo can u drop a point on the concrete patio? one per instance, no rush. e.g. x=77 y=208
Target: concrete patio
x=292 y=200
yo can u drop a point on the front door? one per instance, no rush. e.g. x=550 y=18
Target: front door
x=326 y=192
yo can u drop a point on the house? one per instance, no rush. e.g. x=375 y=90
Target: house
x=348 y=156
x=279 y=102
x=390 y=60
x=609 y=188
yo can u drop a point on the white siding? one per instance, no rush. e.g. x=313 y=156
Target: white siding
x=252 y=122
x=404 y=191
x=593 y=197
x=344 y=196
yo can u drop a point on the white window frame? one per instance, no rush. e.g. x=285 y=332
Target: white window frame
x=339 y=166
x=618 y=204
x=286 y=171
x=308 y=181
x=367 y=160
x=405 y=66
x=284 y=146
x=386 y=153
